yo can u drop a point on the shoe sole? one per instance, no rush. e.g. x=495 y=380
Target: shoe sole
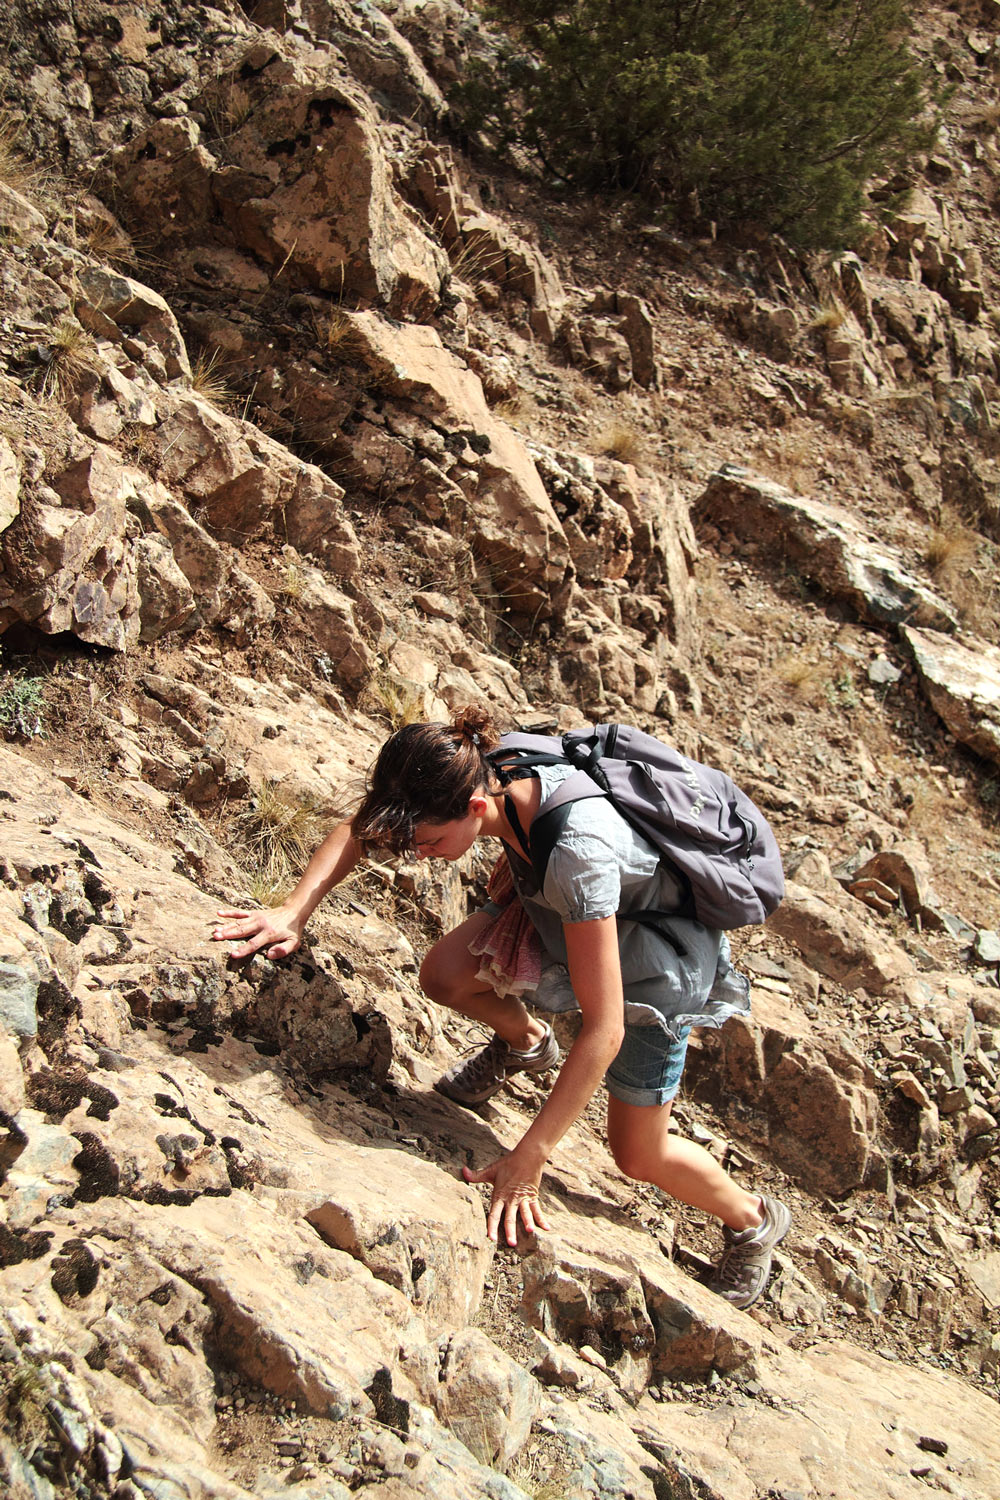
x=440 y=1088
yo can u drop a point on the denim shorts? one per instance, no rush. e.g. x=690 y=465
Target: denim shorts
x=648 y=1067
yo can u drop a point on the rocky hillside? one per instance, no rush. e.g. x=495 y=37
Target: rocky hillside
x=313 y=420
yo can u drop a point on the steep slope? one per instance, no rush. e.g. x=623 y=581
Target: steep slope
x=310 y=422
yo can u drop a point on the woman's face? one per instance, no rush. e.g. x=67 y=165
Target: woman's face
x=449 y=840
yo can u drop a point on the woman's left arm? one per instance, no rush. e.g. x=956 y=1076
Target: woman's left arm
x=596 y=975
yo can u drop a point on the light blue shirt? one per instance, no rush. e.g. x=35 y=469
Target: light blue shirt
x=601 y=867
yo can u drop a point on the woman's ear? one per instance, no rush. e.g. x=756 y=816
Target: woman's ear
x=478 y=804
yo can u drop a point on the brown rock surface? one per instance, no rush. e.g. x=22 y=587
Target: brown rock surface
x=962 y=681
x=826 y=543
x=797 y=1088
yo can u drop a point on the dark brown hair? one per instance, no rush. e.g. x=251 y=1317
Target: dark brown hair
x=425 y=773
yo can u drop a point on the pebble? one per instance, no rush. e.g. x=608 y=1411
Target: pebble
x=592 y=1357
x=987 y=946
x=933 y=1445
x=882 y=672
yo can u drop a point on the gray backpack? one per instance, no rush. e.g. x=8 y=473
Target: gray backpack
x=708 y=833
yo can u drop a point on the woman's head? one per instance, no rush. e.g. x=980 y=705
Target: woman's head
x=425 y=773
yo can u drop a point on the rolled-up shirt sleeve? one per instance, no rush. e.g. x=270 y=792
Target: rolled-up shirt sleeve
x=583 y=880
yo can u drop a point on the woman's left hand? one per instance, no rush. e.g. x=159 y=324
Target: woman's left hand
x=515 y=1196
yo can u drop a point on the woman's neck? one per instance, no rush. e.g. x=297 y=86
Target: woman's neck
x=525 y=793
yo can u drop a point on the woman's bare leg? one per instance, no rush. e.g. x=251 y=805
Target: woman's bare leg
x=644 y=1149
x=448 y=975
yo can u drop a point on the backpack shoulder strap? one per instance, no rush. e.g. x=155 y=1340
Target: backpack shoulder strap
x=549 y=821
x=519 y=753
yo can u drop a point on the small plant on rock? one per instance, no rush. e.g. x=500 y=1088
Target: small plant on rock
x=67 y=355
x=340 y=337
x=950 y=547
x=808 y=680
x=830 y=315
x=15 y=170
x=292 y=585
x=209 y=382
x=105 y=240
x=274 y=838
x=391 y=698
x=473 y=261
x=22 y=706
x=619 y=441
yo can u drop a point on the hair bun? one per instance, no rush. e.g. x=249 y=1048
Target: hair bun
x=476 y=725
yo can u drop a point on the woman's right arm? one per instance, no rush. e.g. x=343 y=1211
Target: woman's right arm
x=279 y=929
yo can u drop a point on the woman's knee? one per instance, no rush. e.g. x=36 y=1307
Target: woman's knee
x=633 y=1159
x=435 y=975
x=449 y=970
x=639 y=1140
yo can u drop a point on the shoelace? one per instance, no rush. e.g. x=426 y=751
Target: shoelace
x=732 y=1270
x=482 y=1066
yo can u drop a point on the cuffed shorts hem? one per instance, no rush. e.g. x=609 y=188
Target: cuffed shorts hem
x=647 y=1070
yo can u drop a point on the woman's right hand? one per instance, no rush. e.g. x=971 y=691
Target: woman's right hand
x=278 y=930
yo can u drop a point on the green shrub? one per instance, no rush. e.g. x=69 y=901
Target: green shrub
x=776 y=111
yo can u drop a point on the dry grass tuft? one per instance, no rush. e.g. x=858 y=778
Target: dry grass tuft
x=475 y=261
x=830 y=315
x=951 y=547
x=394 y=699
x=16 y=171
x=808 y=680
x=68 y=354
x=274 y=838
x=107 y=241
x=227 y=109
x=619 y=441
x=340 y=337
x=208 y=380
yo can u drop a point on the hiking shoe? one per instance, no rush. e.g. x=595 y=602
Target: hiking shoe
x=745 y=1267
x=485 y=1073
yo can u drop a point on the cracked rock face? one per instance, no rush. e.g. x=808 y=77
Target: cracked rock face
x=962 y=681
x=826 y=542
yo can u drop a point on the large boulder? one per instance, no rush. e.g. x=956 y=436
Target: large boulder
x=835 y=941
x=10 y=485
x=296 y=176
x=380 y=57
x=798 y=1089
x=961 y=680
x=66 y=562
x=593 y=1285
x=412 y=1226
x=508 y=517
x=826 y=543
x=135 y=309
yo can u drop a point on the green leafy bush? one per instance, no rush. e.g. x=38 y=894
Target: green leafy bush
x=776 y=111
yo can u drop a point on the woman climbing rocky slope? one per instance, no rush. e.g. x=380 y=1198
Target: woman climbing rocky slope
x=310 y=424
